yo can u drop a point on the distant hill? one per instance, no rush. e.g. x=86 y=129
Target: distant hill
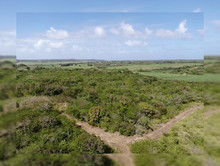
x=212 y=57
x=59 y=60
x=7 y=57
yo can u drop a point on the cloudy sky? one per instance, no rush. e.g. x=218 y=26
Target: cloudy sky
x=135 y=30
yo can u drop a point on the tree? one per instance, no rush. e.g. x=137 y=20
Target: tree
x=146 y=109
x=94 y=115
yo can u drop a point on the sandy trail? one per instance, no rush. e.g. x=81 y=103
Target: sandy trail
x=115 y=140
x=166 y=127
x=121 y=143
x=209 y=113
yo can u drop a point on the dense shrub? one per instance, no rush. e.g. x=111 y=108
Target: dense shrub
x=40 y=131
x=114 y=100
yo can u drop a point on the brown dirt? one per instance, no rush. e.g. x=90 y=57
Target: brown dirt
x=121 y=143
x=209 y=113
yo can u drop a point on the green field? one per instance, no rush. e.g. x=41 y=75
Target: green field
x=135 y=67
x=191 y=71
x=191 y=142
x=181 y=77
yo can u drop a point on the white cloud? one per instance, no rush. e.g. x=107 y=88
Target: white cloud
x=9 y=33
x=127 y=29
x=77 y=48
x=99 y=31
x=47 y=44
x=8 y=42
x=132 y=43
x=216 y=23
x=202 y=31
x=197 y=10
x=145 y=44
x=43 y=47
x=114 y=31
x=40 y=43
x=57 y=34
x=182 y=27
x=56 y=45
x=24 y=46
x=164 y=33
x=180 y=32
x=148 y=31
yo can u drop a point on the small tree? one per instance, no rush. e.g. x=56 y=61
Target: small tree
x=146 y=109
x=94 y=115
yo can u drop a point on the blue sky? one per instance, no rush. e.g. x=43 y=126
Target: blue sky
x=109 y=35
x=104 y=34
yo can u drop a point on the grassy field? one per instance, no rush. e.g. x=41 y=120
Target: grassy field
x=212 y=136
x=73 y=65
x=185 y=144
x=181 y=77
x=161 y=69
x=135 y=67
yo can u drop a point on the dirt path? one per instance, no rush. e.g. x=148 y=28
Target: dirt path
x=209 y=113
x=121 y=143
x=166 y=127
x=115 y=140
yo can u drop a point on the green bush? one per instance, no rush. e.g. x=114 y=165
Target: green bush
x=111 y=99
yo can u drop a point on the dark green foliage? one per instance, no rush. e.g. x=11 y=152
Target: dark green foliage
x=47 y=132
x=36 y=133
x=186 y=70
x=23 y=67
x=7 y=110
x=1 y=109
x=114 y=100
x=7 y=84
x=7 y=146
x=94 y=115
x=66 y=64
x=60 y=160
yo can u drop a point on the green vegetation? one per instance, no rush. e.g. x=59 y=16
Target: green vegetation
x=130 y=65
x=188 y=78
x=132 y=97
x=191 y=70
x=152 y=66
x=212 y=136
x=36 y=133
x=184 y=145
x=184 y=138
x=194 y=141
x=43 y=130
x=115 y=100
x=170 y=76
x=60 y=160
x=167 y=160
x=186 y=70
x=7 y=109
x=191 y=73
